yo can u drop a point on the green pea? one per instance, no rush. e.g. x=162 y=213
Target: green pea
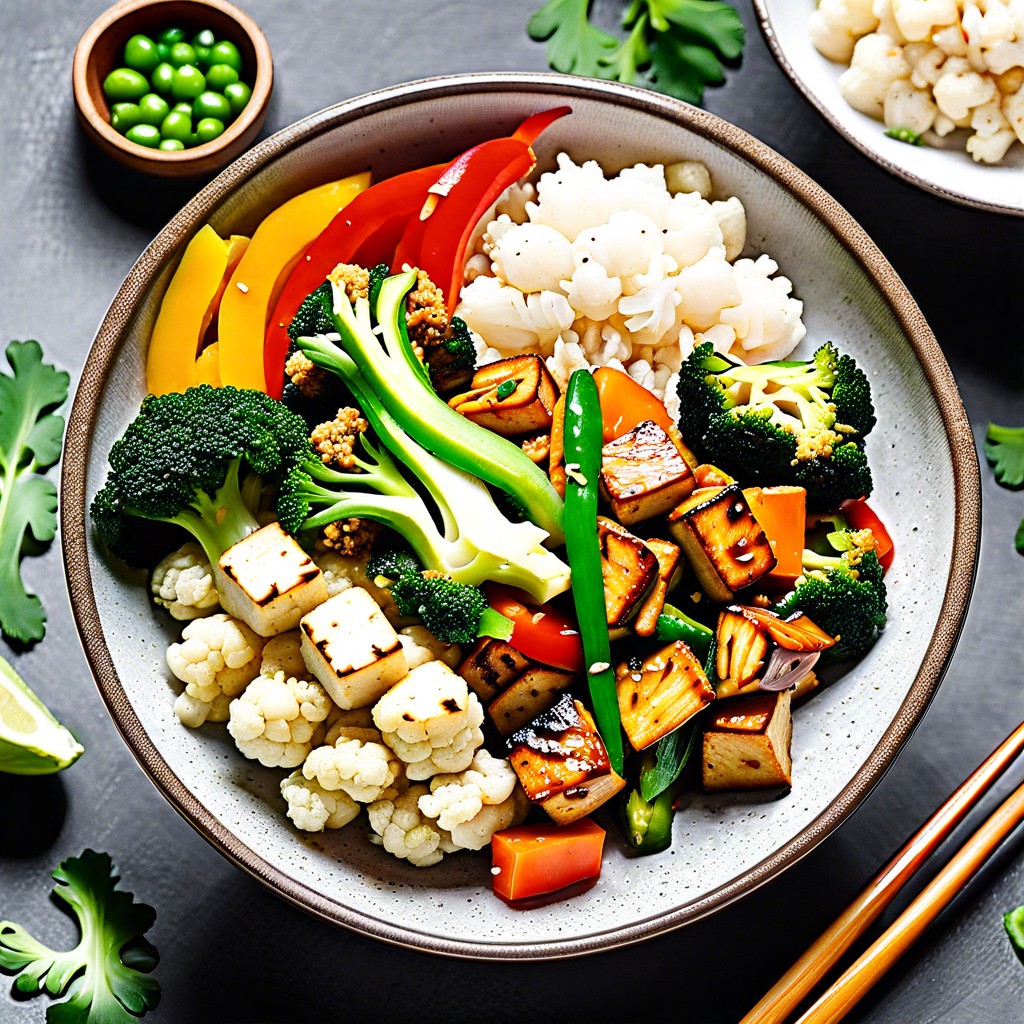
x=220 y=76
x=182 y=54
x=140 y=54
x=212 y=104
x=171 y=145
x=205 y=37
x=237 y=94
x=182 y=108
x=124 y=84
x=124 y=116
x=188 y=83
x=202 y=57
x=225 y=52
x=209 y=128
x=202 y=43
x=144 y=135
x=163 y=50
x=153 y=109
x=177 y=125
x=170 y=36
x=162 y=78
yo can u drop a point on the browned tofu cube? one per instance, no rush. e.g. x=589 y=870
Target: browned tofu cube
x=643 y=474
x=741 y=648
x=629 y=569
x=536 y=690
x=491 y=666
x=747 y=743
x=656 y=698
x=667 y=554
x=562 y=762
x=722 y=540
x=511 y=397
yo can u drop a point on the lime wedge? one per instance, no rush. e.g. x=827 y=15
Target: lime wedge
x=32 y=741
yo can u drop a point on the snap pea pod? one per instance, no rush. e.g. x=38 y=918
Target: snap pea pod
x=583 y=443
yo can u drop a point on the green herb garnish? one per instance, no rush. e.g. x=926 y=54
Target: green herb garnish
x=1004 y=449
x=674 y=46
x=907 y=135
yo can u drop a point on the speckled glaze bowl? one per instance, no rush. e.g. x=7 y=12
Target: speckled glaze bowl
x=947 y=172
x=927 y=490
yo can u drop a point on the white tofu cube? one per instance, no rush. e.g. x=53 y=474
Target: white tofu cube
x=352 y=649
x=268 y=581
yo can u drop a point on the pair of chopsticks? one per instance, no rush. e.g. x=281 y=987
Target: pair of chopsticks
x=793 y=987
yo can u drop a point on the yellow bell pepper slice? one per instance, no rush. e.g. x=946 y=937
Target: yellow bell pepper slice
x=276 y=244
x=178 y=331
x=237 y=244
x=207 y=368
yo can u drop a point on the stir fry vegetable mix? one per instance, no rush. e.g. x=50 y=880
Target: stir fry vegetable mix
x=385 y=555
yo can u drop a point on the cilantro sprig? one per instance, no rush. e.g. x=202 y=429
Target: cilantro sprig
x=30 y=440
x=107 y=975
x=674 y=46
x=1004 y=449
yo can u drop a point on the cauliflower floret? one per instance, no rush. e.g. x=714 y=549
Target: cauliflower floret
x=532 y=257
x=363 y=768
x=431 y=720
x=278 y=720
x=907 y=107
x=916 y=19
x=403 y=831
x=422 y=646
x=476 y=803
x=960 y=89
x=182 y=582
x=313 y=808
x=218 y=657
x=283 y=653
x=878 y=61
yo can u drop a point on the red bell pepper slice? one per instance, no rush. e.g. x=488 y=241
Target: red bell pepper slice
x=539 y=631
x=860 y=516
x=367 y=228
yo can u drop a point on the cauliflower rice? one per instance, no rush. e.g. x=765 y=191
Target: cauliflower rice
x=930 y=67
x=587 y=270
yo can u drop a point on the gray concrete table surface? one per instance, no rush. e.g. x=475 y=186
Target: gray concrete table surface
x=230 y=949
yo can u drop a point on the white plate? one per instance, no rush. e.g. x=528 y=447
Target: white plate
x=948 y=172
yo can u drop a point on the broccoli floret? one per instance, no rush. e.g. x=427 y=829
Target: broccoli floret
x=843 y=594
x=447 y=516
x=450 y=610
x=393 y=564
x=378 y=275
x=311 y=317
x=799 y=422
x=180 y=462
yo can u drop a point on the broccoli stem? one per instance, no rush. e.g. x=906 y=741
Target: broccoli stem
x=220 y=520
x=391 y=371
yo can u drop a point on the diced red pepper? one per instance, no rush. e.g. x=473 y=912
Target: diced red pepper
x=541 y=632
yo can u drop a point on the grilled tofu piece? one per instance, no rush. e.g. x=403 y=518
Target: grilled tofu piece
x=643 y=474
x=741 y=651
x=629 y=569
x=667 y=554
x=722 y=540
x=491 y=666
x=352 y=649
x=747 y=743
x=268 y=581
x=656 y=698
x=512 y=397
x=536 y=690
x=562 y=762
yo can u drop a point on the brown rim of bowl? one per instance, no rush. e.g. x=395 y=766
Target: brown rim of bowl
x=950 y=195
x=104 y=350
x=197 y=160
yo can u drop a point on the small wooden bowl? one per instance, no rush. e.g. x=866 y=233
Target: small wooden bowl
x=100 y=49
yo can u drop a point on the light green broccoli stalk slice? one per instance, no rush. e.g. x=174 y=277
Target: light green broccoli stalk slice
x=448 y=517
x=107 y=975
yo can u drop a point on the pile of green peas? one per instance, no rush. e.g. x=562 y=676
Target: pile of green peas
x=172 y=94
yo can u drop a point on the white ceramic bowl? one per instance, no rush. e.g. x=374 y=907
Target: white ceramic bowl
x=927 y=490
x=947 y=172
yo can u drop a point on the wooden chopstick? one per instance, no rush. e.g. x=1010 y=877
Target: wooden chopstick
x=858 y=979
x=793 y=987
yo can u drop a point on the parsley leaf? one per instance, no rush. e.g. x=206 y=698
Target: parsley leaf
x=575 y=46
x=30 y=440
x=1004 y=449
x=675 y=46
x=107 y=974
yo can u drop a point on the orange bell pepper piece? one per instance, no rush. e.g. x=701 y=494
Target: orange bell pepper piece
x=626 y=404
x=782 y=513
